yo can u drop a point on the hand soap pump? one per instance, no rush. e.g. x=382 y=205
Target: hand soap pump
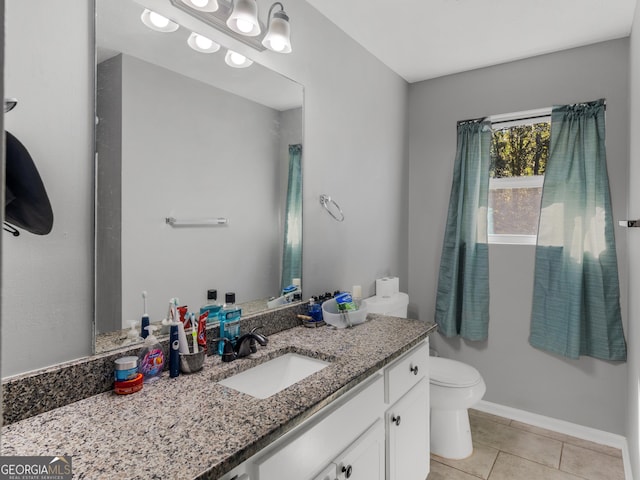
x=151 y=357
x=229 y=316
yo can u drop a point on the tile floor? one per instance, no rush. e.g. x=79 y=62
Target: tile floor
x=505 y=449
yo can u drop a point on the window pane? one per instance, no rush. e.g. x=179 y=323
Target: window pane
x=520 y=150
x=514 y=211
x=518 y=160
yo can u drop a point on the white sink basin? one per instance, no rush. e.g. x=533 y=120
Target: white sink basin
x=270 y=377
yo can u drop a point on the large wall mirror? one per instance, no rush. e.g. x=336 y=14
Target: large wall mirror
x=182 y=135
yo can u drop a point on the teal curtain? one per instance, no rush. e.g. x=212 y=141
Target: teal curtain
x=462 y=302
x=576 y=305
x=292 y=249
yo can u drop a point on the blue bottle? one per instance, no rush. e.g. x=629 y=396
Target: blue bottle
x=229 y=317
x=212 y=307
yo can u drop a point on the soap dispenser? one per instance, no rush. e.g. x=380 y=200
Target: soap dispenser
x=151 y=357
x=229 y=317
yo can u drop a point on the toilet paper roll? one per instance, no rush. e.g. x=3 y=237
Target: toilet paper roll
x=384 y=287
x=395 y=284
x=387 y=286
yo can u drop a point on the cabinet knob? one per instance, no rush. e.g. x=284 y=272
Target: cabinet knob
x=396 y=420
x=414 y=370
x=348 y=470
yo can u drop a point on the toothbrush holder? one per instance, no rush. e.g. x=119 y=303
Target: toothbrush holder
x=192 y=362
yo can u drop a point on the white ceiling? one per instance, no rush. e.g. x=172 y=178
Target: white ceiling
x=422 y=39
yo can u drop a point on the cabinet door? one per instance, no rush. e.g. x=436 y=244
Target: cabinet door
x=408 y=435
x=328 y=473
x=364 y=458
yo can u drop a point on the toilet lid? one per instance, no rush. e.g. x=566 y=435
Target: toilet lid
x=451 y=373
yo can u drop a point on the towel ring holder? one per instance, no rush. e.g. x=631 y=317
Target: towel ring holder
x=327 y=202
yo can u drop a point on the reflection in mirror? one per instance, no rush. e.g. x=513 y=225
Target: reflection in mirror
x=182 y=135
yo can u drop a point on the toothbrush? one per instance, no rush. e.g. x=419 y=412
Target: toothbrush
x=194 y=333
x=145 y=317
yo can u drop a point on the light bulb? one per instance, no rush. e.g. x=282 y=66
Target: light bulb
x=158 y=20
x=202 y=5
x=277 y=44
x=244 y=26
x=238 y=58
x=203 y=42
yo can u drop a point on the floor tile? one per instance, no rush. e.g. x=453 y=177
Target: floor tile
x=490 y=416
x=478 y=464
x=444 y=472
x=511 y=467
x=591 y=465
x=616 y=452
x=530 y=446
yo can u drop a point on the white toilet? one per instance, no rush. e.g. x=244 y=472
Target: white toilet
x=454 y=387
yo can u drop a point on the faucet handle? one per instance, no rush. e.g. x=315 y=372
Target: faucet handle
x=262 y=339
x=228 y=354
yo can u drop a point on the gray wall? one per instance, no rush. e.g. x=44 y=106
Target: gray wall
x=587 y=392
x=633 y=234
x=205 y=153
x=355 y=150
x=47 y=287
x=108 y=306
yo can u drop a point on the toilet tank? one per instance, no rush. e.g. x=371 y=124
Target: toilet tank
x=394 y=305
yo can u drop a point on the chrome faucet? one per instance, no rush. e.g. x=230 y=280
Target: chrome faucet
x=244 y=346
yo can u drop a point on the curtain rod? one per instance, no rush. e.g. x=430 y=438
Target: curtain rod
x=519 y=116
x=519 y=119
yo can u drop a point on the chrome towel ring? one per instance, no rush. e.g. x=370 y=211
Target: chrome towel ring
x=336 y=212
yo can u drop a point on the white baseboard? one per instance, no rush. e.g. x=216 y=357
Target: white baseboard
x=561 y=426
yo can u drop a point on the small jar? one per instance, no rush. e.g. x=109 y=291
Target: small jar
x=126 y=387
x=126 y=368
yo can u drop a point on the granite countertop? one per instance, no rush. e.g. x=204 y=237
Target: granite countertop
x=191 y=426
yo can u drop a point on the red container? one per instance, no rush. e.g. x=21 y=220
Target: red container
x=128 y=386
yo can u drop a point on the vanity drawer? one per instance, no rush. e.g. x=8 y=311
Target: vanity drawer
x=324 y=436
x=406 y=372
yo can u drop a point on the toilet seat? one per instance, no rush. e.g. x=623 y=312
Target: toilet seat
x=452 y=374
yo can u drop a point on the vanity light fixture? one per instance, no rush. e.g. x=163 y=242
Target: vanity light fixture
x=202 y=5
x=158 y=22
x=278 y=37
x=244 y=18
x=237 y=60
x=239 y=20
x=202 y=44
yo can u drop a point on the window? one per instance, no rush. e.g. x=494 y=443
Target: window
x=519 y=151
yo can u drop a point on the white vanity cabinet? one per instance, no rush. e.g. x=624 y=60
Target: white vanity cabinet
x=407 y=418
x=362 y=460
x=331 y=436
x=377 y=431
x=408 y=435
